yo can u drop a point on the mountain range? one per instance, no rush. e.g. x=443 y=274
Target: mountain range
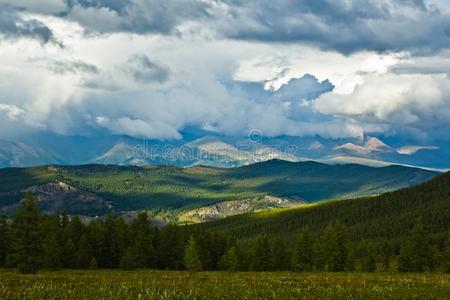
x=216 y=151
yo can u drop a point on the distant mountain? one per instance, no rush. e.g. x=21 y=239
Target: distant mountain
x=19 y=154
x=372 y=145
x=216 y=151
x=121 y=154
x=102 y=189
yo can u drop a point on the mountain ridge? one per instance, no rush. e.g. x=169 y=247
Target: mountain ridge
x=161 y=188
x=218 y=151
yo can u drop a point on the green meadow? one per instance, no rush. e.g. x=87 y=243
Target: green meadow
x=146 y=284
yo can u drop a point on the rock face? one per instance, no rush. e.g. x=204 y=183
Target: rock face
x=230 y=208
x=60 y=196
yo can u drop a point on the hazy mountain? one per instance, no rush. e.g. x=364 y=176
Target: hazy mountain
x=18 y=154
x=217 y=151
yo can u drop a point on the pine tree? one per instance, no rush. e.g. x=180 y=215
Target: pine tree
x=333 y=250
x=446 y=256
x=368 y=260
x=26 y=246
x=204 y=242
x=192 y=260
x=342 y=251
x=350 y=261
x=386 y=251
x=171 y=248
x=5 y=239
x=263 y=256
x=406 y=258
x=229 y=261
x=280 y=256
x=416 y=255
x=143 y=234
x=85 y=252
x=302 y=258
x=130 y=260
x=51 y=245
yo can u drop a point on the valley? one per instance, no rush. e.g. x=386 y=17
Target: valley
x=172 y=194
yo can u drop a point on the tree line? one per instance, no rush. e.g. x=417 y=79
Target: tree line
x=31 y=241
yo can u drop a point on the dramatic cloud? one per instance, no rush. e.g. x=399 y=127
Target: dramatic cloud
x=149 y=68
x=418 y=102
x=344 y=26
x=139 y=16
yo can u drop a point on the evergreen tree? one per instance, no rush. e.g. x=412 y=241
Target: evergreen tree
x=342 y=251
x=446 y=256
x=205 y=245
x=143 y=235
x=350 y=261
x=5 y=239
x=280 y=256
x=303 y=256
x=26 y=246
x=368 y=259
x=386 y=255
x=229 y=261
x=51 y=244
x=333 y=248
x=262 y=261
x=69 y=254
x=171 y=248
x=85 y=252
x=112 y=240
x=192 y=260
x=405 y=261
x=130 y=260
x=416 y=254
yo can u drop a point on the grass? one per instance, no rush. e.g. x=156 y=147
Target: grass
x=145 y=284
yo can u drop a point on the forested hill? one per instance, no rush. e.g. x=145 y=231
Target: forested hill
x=103 y=189
x=388 y=217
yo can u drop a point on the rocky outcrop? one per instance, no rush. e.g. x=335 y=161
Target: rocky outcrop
x=60 y=196
x=236 y=207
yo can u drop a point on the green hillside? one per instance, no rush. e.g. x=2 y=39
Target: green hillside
x=164 y=187
x=387 y=217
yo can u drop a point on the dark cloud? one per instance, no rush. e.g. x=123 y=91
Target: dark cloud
x=12 y=26
x=345 y=26
x=118 y=6
x=140 y=16
x=143 y=70
x=70 y=67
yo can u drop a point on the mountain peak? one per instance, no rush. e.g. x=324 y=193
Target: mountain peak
x=375 y=144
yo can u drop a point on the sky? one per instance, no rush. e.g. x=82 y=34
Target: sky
x=150 y=69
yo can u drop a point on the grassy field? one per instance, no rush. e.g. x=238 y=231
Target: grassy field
x=115 y=284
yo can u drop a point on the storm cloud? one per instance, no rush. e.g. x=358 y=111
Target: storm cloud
x=151 y=68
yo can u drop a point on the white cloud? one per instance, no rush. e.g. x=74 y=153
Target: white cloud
x=418 y=101
x=11 y=111
x=190 y=81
